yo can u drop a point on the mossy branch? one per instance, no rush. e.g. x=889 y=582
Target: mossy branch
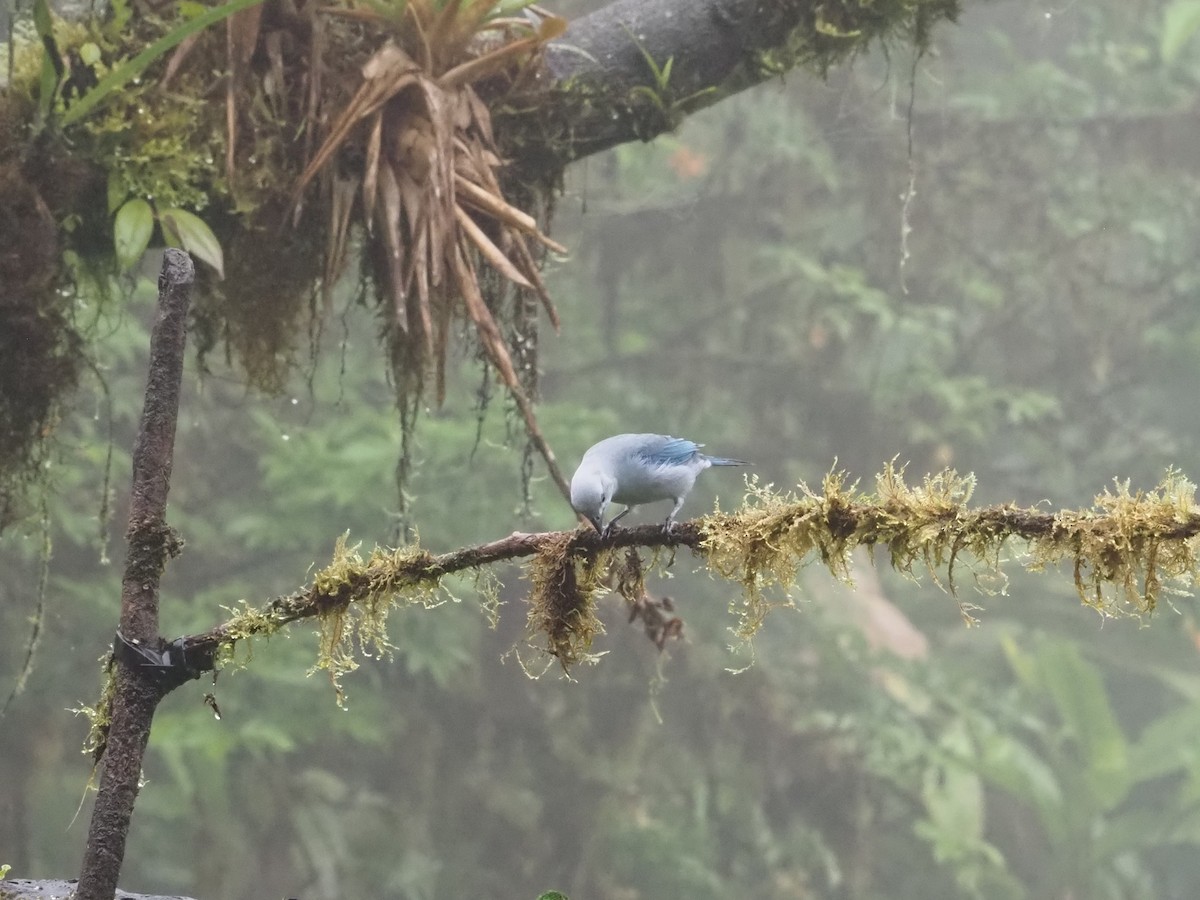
x=408 y=575
x=606 y=81
x=1123 y=553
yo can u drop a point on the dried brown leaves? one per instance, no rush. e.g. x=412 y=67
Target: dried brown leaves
x=431 y=201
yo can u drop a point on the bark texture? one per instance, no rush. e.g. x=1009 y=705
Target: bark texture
x=140 y=687
x=606 y=81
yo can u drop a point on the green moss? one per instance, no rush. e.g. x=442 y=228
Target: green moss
x=352 y=598
x=1124 y=553
x=100 y=716
x=829 y=33
x=487 y=589
x=566 y=581
x=1127 y=551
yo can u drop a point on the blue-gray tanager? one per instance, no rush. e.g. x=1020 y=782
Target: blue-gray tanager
x=638 y=468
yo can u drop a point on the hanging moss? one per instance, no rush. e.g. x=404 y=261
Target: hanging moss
x=251 y=139
x=825 y=34
x=40 y=348
x=1124 y=553
x=562 y=601
x=268 y=302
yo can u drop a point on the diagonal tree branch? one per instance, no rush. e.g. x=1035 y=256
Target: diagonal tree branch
x=634 y=69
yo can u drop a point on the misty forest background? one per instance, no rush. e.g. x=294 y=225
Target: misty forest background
x=755 y=281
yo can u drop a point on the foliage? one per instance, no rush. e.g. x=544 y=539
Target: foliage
x=1180 y=22
x=736 y=283
x=1056 y=750
x=143 y=124
x=129 y=70
x=388 y=94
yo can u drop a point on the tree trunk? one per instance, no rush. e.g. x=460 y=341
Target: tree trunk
x=144 y=675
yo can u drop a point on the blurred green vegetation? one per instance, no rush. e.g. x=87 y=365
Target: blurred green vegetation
x=748 y=282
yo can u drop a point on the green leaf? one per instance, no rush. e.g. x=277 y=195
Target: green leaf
x=1021 y=662
x=119 y=15
x=1007 y=763
x=1081 y=700
x=1169 y=743
x=953 y=794
x=131 y=69
x=1180 y=22
x=650 y=94
x=1150 y=827
x=52 y=65
x=41 y=18
x=117 y=191
x=659 y=80
x=132 y=228
x=552 y=895
x=187 y=230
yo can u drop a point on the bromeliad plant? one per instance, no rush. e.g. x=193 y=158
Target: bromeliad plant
x=415 y=146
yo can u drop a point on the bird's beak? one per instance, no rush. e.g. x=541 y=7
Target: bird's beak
x=595 y=520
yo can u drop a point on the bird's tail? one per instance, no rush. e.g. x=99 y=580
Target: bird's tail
x=726 y=461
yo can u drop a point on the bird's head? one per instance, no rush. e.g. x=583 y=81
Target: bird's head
x=590 y=494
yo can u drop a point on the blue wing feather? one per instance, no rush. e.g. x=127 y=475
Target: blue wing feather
x=674 y=452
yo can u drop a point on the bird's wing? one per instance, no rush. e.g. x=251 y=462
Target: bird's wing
x=671 y=452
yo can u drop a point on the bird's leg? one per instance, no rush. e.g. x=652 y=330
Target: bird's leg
x=669 y=524
x=617 y=518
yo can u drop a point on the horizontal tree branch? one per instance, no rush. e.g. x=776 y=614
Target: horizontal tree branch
x=400 y=569
x=1123 y=553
